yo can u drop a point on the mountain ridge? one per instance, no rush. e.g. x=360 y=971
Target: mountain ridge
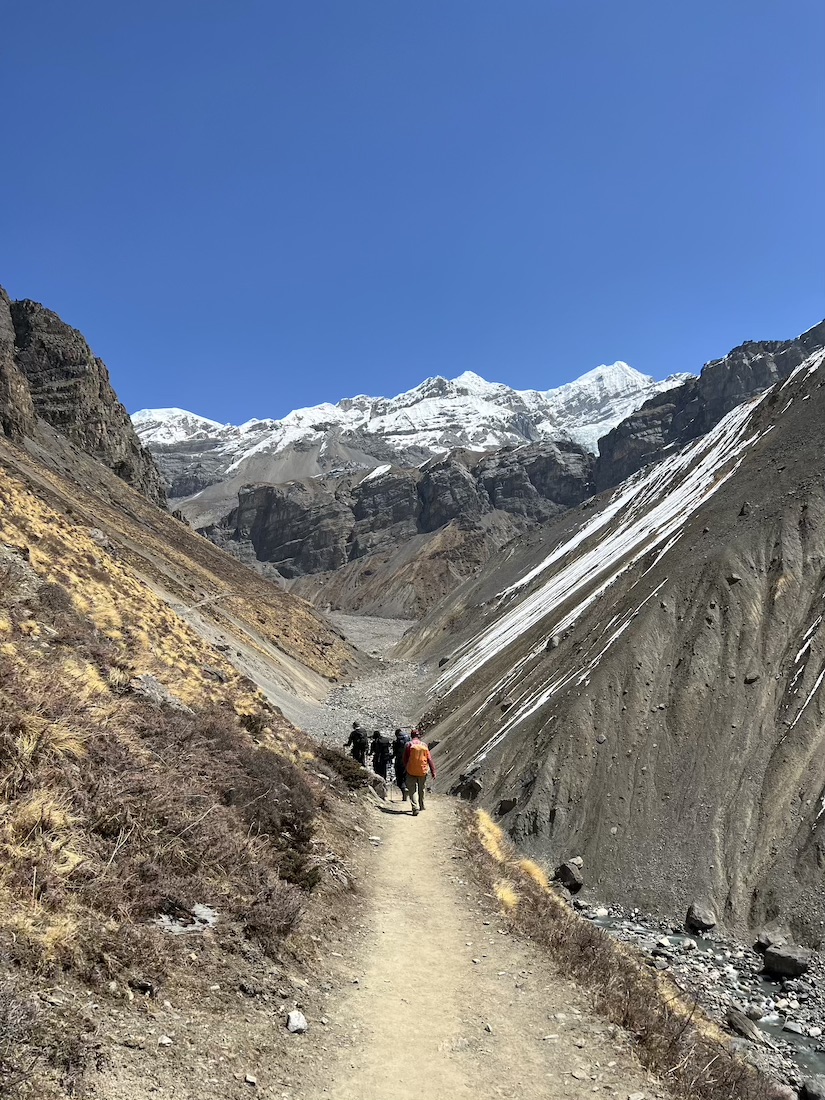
x=435 y=417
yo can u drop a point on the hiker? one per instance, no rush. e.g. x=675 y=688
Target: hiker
x=380 y=751
x=417 y=762
x=358 y=744
x=399 y=746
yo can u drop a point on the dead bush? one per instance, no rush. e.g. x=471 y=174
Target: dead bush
x=672 y=1036
x=343 y=765
x=272 y=917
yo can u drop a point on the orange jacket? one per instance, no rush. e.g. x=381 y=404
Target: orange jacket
x=418 y=759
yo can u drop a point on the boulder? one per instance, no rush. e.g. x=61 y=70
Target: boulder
x=296 y=1022
x=570 y=876
x=700 y=917
x=787 y=961
x=739 y=1022
x=813 y=1088
x=772 y=936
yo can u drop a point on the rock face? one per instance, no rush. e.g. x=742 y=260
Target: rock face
x=17 y=415
x=318 y=526
x=683 y=413
x=48 y=371
x=709 y=777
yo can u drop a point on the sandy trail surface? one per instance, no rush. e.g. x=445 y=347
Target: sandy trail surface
x=443 y=1002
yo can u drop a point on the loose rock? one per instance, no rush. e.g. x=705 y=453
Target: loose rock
x=297 y=1022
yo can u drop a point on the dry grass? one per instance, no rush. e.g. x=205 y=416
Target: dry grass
x=18 y=1057
x=116 y=808
x=671 y=1035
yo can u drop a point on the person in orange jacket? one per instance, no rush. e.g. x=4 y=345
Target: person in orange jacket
x=418 y=761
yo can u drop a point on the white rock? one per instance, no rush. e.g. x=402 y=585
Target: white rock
x=297 y=1022
x=165 y=1041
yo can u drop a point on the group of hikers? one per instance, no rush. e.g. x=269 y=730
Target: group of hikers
x=408 y=753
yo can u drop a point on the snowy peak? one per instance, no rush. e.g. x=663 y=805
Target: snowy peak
x=361 y=432
x=165 y=426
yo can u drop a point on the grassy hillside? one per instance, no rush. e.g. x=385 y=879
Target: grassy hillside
x=142 y=775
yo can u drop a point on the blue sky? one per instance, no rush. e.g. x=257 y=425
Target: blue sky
x=247 y=207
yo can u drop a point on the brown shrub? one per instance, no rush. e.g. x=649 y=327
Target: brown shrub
x=672 y=1036
x=343 y=765
x=274 y=915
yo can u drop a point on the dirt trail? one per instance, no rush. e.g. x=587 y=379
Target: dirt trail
x=435 y=969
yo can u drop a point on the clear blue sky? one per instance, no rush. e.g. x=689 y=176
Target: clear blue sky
x=255 y=205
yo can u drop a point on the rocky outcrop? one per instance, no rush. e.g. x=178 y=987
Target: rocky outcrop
x=17 y=415
x=674 y=418
x=319 y=525
x=48 y=371
x=673 y=734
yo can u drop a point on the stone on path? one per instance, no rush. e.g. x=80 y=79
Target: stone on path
x=296 y=1022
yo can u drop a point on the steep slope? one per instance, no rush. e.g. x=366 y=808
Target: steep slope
x=155 y=806
x=361 y=432
x=692 y=409
x=639 y=682
x=49 y=375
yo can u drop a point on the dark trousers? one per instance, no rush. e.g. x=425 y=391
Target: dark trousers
x=401 y=777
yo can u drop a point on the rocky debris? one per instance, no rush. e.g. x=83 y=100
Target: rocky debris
x=569 y=875
x=777 y=1017
x=468 y=787
x=48 y=373
x=152 y=689
x=700 y=917
x=787 y=961
x=296 y=1022
x=771 y=937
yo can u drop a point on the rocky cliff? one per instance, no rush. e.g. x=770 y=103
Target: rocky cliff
x=640 y=682
x=318 y=526
x=688 y=411
x=49 y=374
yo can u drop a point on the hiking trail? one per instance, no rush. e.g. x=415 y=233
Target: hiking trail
x=441 y=1001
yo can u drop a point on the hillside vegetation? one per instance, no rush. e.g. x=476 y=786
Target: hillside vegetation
x=141 y=774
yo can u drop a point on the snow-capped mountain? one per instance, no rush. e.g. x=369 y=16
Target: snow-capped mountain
x=360 y=432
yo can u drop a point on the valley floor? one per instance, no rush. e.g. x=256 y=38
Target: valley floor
x=389 y=694
x=440 y=1000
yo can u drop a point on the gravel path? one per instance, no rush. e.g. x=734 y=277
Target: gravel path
x=391 y=693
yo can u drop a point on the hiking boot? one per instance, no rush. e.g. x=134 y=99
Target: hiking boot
x=415 y=812
x=422 y=807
